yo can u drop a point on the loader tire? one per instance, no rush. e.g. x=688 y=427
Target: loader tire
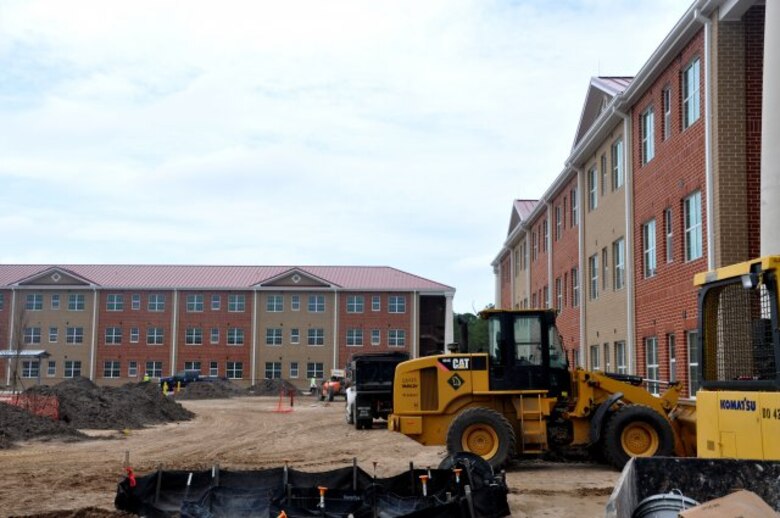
x=484 y=432
x=636 y=431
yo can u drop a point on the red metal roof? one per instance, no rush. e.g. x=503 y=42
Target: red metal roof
x=223 y=277
x=524 y=208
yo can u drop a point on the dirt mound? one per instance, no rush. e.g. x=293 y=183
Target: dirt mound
x=85 y=405
x=272 y=388
x=216 y=389
x=19 y=425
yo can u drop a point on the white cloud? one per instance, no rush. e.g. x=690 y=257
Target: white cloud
x=343 y=132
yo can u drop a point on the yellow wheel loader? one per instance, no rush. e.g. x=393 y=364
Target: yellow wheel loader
x=520 y=398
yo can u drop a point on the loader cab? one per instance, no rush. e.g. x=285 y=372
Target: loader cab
x=525 y=352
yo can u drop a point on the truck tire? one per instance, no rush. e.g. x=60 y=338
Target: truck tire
x=482 y=431
x=363 y=424
x=636 y=431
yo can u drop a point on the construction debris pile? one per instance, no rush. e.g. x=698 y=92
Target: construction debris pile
x=273 y=387
x=216 y=389
x=20 y=425
x=84 y=405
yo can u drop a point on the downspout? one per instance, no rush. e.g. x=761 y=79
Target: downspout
x=94 y=334
x=527 y=261
x=174 y=329
x=335 y=330
x=580 y=262
x=708 y=169
x=415 y=318
x=11 y=336
x=628 y=186
x=253 y=370
x=496 y=286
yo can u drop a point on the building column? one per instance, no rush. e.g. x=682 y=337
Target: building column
x=770 y=133
x=449 y=316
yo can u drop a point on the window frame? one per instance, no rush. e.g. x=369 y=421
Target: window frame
x=692 y=220
x=647 y=135
x=649 y=259
x=691 y=93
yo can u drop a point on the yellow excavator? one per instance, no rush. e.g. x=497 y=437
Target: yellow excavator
x=520 y=398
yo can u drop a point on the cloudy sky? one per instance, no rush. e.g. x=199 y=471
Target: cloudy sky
x=296 y=132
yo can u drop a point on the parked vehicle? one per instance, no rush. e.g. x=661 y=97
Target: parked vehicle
x=335 y=386
x=370 y=395
x=182 y=378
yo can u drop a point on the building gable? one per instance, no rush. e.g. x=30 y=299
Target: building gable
x=601 y=91
x=54 y=276
x=296 y=278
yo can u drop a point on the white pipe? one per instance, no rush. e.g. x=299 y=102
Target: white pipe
x=174 y=329
x=708 y=169
x=550 y=284
x=770 y=133
x=415 y=338
x=253 y=369
x=94 y=335
x=335 y=330
x=628 y=249
x=580 y=262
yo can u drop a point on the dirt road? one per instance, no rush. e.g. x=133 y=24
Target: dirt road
x=244 y=433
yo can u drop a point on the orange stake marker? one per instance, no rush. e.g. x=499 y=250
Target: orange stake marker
x=424 y=480
x=322 y=496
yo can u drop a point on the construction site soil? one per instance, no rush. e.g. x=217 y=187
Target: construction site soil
x=61 y=478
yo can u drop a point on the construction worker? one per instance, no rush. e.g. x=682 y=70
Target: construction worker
x=313 y=385
x=146 y=377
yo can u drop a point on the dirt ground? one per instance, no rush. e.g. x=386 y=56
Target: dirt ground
x=246 y=433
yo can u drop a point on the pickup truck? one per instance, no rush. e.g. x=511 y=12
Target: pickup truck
x=182 y=379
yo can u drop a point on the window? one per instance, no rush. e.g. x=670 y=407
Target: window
x=558 y=222
x=132 y=369
x=603 y=174
x=194 y=303
x=74 y=335
x=354 y=337
x=648 y=248
x=274 y=303
x=154 y=369
x=535 y=242
x=376 y=337
x=617 y=164
x=607 y=359
x=2 y=301
x=691 y=108
x=314 y=370
x=111 y=369
x=51 y=368
x=354 y=303
x=235 y=336
x=234 y=370
x=192 y=366
x=546 y=234
x=670 y=342
x=575 y=287
x=604 y=268
x=316 y=303
x=115 y=302
x=396 y=304
x=619 y=258
x=135 y=334
x=213 y=369
x=316 y=336
x=647 y=131
x=620 y=357
x=546 y=292
x=75 y=302
x=595 y=364
x=156 y=302
x=32 y=335
x=273 y=370
x=295 y=302
x=193 y=336
x=214 y=335
x=72 y=368
x=575 y=214
x=558 y=294
x=34 y=302
x=376 y=303
x=693 y=240
x=669 y=231
x=55 y=301
x=135 y=301
x=593 y=268
x=236 y=303
x=154 y=336
x=396 y=337
x=666 y=101
x=216 y=302
x=30 y=368
x=53 y=335
x=113 y=335
x=651 y=358
x=692 y=344
x=593 y=189
x=295 y=336
x=273 y=336
x=293 y=370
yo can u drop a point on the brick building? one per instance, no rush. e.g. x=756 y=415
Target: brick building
x=114 y=324
x=666 y=171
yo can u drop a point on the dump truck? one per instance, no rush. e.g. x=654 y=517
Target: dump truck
x=370 y=392
x=521 y=398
